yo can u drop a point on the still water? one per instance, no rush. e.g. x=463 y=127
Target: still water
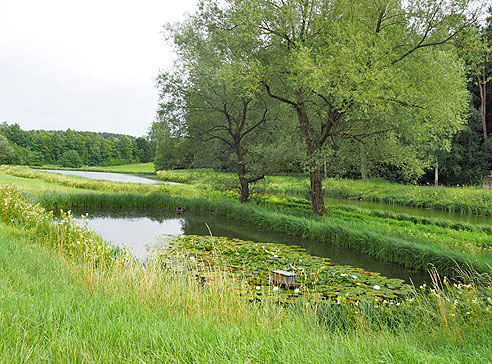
x=137 y=229
x=114 y=177
x=414 y=211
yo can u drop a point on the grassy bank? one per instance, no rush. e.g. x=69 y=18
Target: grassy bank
x=457 y=199
x=395 y=239
x=67 y=308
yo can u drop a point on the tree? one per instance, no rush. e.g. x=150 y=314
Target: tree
x=355 y=70
x=7 y=153
x=170 y=151
x=475 y=48
x=71 y=159
x=205 y=101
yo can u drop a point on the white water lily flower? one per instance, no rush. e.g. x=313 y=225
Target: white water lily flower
x=358 y=283
x=355 y=277
x=275 y=289
x=297 y=290
x=275 y=256
x=258 y=288
x=376 y=287
x=343 y=274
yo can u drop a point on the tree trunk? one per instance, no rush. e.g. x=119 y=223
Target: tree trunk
x=363 y=164
x=244 y=190
x=317 y=190
x=436 y=172
x=241 y=173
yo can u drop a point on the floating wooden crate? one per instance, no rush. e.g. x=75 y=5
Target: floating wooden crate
x=284 y=279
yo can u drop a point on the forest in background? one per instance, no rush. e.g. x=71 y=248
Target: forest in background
x=70 y=148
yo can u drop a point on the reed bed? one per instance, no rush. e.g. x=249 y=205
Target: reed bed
x=412 y=248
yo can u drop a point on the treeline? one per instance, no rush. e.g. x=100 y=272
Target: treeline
x=70 y=148
x=328 y=88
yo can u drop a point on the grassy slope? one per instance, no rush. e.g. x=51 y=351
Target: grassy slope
x=54 y=312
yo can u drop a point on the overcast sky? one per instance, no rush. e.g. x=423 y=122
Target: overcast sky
x=86 y=65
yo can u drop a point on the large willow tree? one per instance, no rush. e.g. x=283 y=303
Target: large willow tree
x=357 y=69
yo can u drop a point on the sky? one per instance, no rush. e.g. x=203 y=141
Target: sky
x=85 y=65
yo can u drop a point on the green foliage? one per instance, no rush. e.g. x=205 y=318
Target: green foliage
x=71 y=159
x=7 y=153
x=36 y=147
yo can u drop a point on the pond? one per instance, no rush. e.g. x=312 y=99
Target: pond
x=414 y=211
x=136 y=229
x=107 y=176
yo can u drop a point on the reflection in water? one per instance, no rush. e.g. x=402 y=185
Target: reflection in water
x=137 y=228
x=107 y=176
x=414 y=211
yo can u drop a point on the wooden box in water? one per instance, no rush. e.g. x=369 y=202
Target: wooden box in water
x=284 y=278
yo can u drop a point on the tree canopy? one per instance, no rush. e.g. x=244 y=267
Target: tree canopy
x=370 y=72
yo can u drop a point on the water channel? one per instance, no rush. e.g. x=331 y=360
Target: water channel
x=415 y=211
x=108 y=176
x=137 y=229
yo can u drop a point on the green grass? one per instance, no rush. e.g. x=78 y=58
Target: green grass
x=391 y=240
x=412 y=242
x=458 y=199
x=55 y=310
x=137 y=168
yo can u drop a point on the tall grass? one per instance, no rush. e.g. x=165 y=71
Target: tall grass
x=389 y=245
x=58 y=310
x=457 y=199
x=72 y=240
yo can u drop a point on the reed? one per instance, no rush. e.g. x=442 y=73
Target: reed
x=60 y=310
x=381 y=239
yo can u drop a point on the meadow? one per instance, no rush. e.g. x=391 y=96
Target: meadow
x=415 y=242
x=69 y=297
x=464 y=199
x=137 y=168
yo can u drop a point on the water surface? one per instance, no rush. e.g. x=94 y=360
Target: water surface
x=136 y=229
x=414 y=211
x=109 y=176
